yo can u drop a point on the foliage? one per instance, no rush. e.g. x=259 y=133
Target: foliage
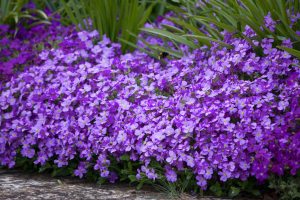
x=15 y=12
x=22 y=51
x=172 y=189
x=286 y=186
x=86 y=100
x=110 y=17
x=232 y=188
x=270 y=19
x=220 y=117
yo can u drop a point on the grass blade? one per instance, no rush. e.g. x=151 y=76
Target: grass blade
x=202 y=38
x=50 y=5
x=140 y=38
x=70 y=14
x=84 y=8
x=171 y=52
x=41 y=13
x=172 y=28
x=141 y=49
x=173 y=36
x=78 y=15
x=290 y=51
x=217 y=23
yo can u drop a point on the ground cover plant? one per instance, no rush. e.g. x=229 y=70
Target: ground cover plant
x=20 y=50
x=21 y=14
x=216 y=115
x=271 y=19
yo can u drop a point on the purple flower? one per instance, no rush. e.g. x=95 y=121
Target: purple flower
x=28 y=152
x=172 y=157
x=80 y=171
x=208 y=173
x=282 y=105
x=138 y=175
x=83 y=122
x=224 y=175
x=121 y=137
x=201 y=181
x=244 y=165
x=152 y=175
x=279 y=120
x=112 y=177
x=50 y=142
x=171 y=176
x=104 y=173
x=59 y=162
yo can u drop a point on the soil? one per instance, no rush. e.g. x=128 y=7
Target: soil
x=17 y=185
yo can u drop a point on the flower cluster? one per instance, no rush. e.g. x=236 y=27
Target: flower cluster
x=215 y=111
x=19 y=52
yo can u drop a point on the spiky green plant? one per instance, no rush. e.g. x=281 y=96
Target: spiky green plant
x=11 y=13
x=110 y=17
x=231 y=16
x=173 y=190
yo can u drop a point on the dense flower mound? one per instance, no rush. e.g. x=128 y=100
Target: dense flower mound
x=215 y=110
x=20 y=52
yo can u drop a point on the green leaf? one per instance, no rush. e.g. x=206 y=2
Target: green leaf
x=130 y=166
x=71 y=170
x=155 y=164
x=39 y=22
x=54 y=173
x=219 y=193
x=172 y=36
x=203 y=38
x=124 y=157
x=51 y=16
x=73 y=164
x=189 y=175
x=245 y=183
x=172 y=28
x=283 y=11
x=101 y=180
x=78 y=15
x=290 y=51
x=256 y=192
x=215 y=187
x=41 y=13
x=47 y=166
x=192 y=28
x=296 y=7
x=295 y=65
x=141 y=49
x=171 y=52
x=63 y=171
x=124 y=177
x=59 y=182
x=70 y=14
x=4 y=6
x=177 y=9
x=132 y=178
x=215 y=22
x=201 y=192
x=140 y=185
x=50 y=5
x=233 y=191
x=258 y=50
x=85 y=14
x=271 y=185
x=147 y=44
